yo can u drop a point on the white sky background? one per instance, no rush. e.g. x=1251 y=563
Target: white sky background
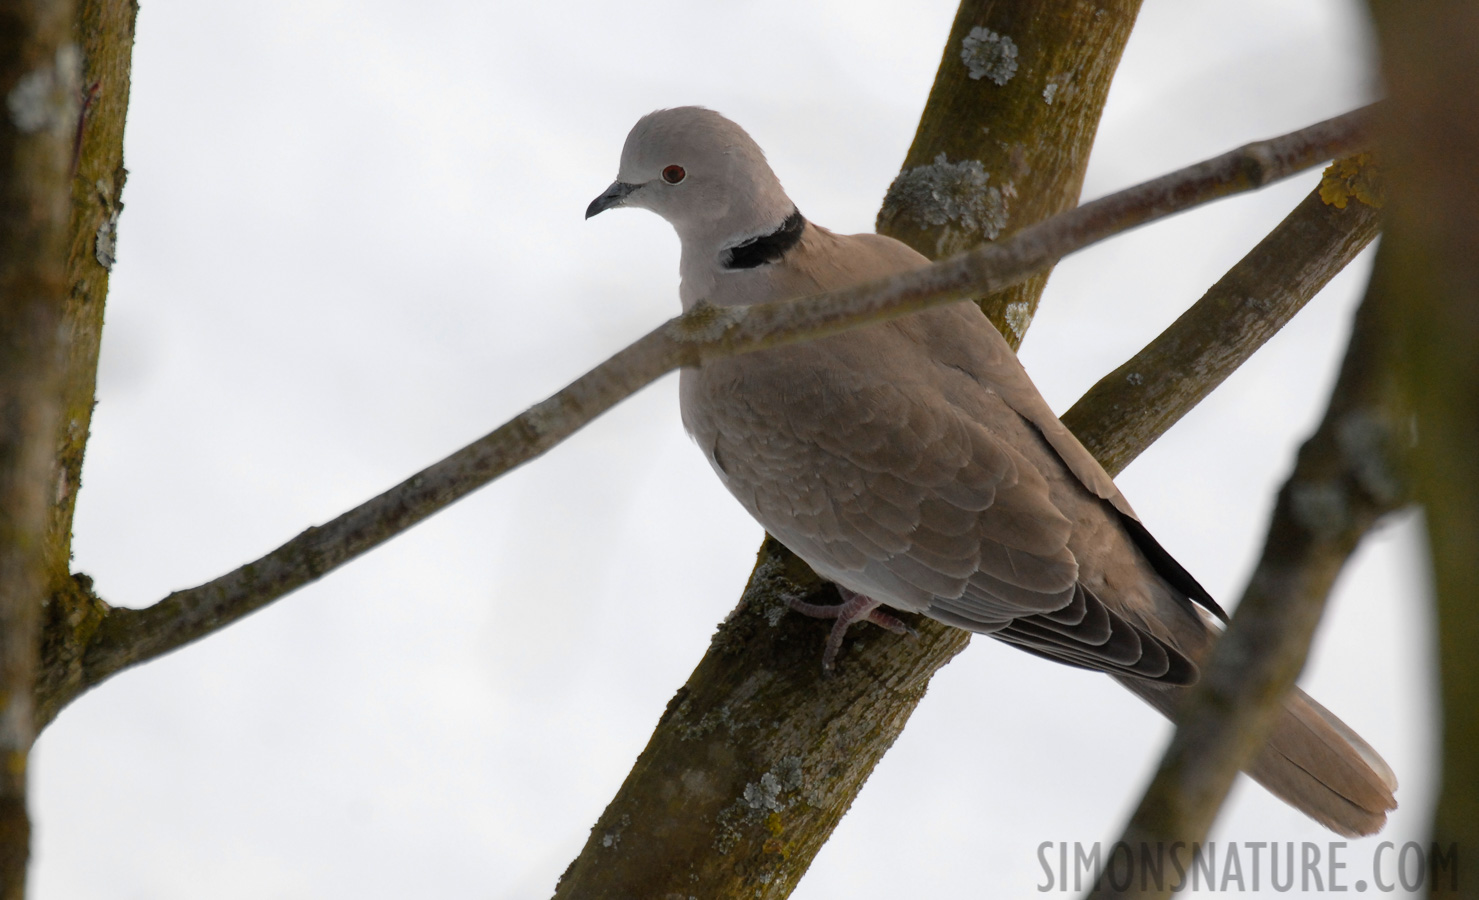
x=353 y=242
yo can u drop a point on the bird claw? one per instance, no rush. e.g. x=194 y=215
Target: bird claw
x=854 y=608
x=891 y=622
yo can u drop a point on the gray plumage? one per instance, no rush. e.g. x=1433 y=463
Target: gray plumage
x=915 y=464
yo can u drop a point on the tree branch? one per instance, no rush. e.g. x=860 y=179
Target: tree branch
x=104 y=31
x=1431 y=135
x=1236 y=316
x=1347 y=476
x=127 y=637
x=1004 y=139
x=38 y=107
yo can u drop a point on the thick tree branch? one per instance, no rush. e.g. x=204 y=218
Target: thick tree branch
x=1245 y=308
x=38 y=108
x=103 y=31
x=1348 y=475
x=1005 y=135
x=127 y=637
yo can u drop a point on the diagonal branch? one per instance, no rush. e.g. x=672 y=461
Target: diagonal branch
x=1236 y=316
x=1347 y=476
x=127 y=637
x=990 y=156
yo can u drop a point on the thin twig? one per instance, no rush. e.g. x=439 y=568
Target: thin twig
x=129 y=637
x=1347 y=476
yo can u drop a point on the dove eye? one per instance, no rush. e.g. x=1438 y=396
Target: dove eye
x=673 y=174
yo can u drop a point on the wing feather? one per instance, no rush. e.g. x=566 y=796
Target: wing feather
x=913 y=461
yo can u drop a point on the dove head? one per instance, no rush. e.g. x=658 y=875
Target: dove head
x=702 y=173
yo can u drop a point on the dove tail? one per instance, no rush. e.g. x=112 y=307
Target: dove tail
x=1313 y=761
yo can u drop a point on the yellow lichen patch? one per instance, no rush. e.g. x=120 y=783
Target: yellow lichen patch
x=1353 y=177
x=774 y=844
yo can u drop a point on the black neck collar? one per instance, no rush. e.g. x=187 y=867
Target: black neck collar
x=765 y=248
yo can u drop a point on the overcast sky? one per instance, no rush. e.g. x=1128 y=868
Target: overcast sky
x=354 y=242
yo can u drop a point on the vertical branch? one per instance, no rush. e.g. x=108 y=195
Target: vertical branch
x=1431 y=135
x=104 y=32
x=38 y=109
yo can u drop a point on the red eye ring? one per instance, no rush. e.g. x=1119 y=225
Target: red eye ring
x=673 y=174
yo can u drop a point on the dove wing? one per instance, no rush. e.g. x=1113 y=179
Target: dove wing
x=861 y=454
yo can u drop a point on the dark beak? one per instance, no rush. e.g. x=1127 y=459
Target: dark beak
x=613 y=196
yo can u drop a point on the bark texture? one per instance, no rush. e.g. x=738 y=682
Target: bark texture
x=1005 y=136
x=104 y=31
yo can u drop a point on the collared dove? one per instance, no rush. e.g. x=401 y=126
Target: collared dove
x=914 y=464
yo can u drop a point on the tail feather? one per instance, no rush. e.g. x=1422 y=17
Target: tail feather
x=1313 y=761
x=1317 y=764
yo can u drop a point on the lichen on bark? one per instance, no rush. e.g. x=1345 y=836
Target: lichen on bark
x=1035 y=151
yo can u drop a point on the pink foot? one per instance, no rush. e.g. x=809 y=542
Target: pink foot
x=853 y=608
